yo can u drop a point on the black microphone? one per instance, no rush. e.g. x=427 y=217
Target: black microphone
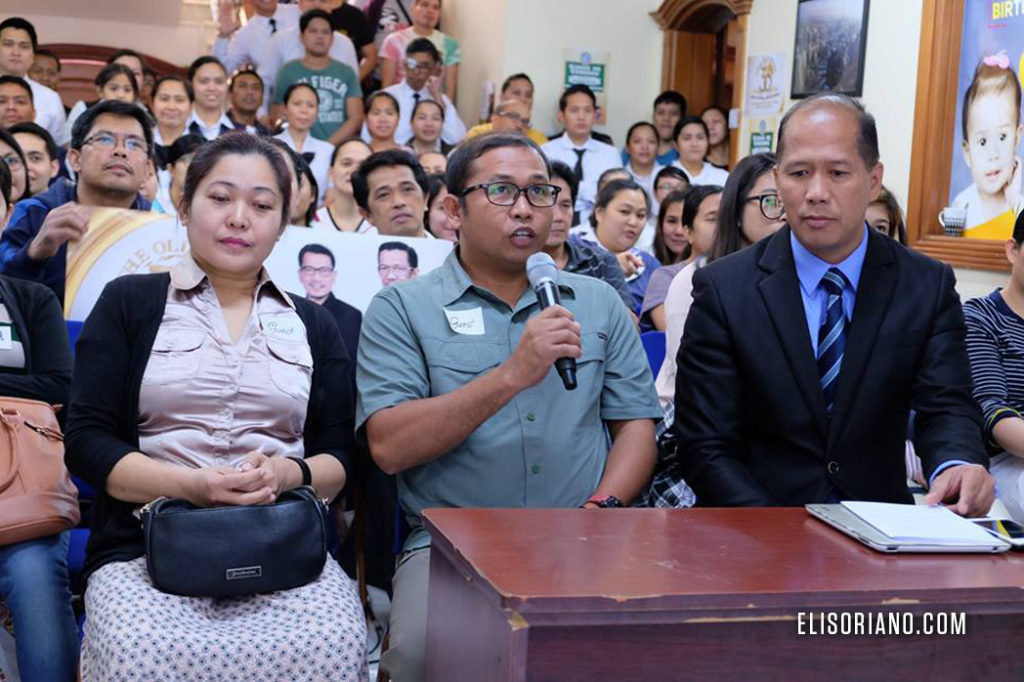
x=542 y=273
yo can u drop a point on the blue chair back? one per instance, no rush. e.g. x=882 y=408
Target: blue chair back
x=74 y=329
x=654 y=346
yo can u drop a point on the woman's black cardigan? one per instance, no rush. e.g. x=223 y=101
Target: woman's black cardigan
x=36 y=315
x=111 y=356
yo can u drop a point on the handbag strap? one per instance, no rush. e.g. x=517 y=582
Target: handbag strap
x=11 y=421
x=10 y=424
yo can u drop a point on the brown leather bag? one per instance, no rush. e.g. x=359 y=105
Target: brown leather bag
x=37 y=496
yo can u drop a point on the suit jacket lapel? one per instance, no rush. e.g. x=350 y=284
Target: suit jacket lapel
x=874 y=293
x=780 y=290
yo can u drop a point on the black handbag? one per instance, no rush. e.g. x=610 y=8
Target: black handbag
x=233 y=551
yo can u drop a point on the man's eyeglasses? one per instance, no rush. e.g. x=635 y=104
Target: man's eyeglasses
x=414 y=65
x=770 y=204
x=513 y=116
x=109 y=141
x=507 y=193
x=13 y=161
x=394 y=269
x=309 y=271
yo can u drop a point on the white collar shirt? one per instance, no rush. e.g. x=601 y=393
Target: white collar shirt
x=597 y=158
x=246 y=46
x=320 y=163
x=49 y=111
x=452 y=132
x=209 y=132
x=709 y=175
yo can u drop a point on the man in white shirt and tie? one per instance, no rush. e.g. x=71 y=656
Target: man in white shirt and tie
x=577 y=111
x=236 y=47
x=17 y=50
x=422 y=81
x=286 y=45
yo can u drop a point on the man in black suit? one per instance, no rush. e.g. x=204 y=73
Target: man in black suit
x=803 y=355
x=317 y=274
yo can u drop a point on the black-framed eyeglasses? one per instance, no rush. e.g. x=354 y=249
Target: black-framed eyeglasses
x=109 y=141
x=770 y=204
x=541 y=195
x=513 y=116
x=309 y=271
x=394 y=269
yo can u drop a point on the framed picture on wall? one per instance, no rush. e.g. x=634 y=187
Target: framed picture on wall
x=831 y=36
x=970 y=53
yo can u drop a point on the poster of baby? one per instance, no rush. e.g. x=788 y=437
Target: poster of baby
x=987 y=171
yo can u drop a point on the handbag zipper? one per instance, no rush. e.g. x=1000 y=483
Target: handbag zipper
x=148 y=506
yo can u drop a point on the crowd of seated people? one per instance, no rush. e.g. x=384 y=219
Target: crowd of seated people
x=342 y=118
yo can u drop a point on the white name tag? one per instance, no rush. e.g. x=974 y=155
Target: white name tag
x=6 y=337
x=282 y=329
x=469 y=322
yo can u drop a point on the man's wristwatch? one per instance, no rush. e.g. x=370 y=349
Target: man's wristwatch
x=606 y=501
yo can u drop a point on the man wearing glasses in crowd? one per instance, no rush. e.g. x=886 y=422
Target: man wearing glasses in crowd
x=396 y=262
x=457 y=394
x=422 y=81
x=317 y=274
x=511 y=116
x=110 y=151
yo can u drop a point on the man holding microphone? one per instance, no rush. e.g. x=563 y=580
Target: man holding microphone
x=458 y=394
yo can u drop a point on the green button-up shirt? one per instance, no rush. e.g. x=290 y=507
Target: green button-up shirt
x=547 y=447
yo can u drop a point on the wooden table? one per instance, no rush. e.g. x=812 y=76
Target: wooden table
x=709 y=594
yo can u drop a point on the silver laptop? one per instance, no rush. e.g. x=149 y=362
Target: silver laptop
x=842 y=519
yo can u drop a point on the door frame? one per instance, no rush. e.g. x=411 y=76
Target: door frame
x=679 y=20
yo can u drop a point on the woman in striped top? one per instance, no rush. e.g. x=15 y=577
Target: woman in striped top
x=995 y=345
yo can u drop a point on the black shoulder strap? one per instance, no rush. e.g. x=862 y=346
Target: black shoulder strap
x=401 y=6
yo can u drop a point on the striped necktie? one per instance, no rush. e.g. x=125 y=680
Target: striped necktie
x=832 y=335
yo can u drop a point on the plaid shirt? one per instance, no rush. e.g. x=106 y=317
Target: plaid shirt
x=586 y=260
x=667 y=489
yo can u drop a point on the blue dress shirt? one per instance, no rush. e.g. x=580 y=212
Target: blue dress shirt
x=810 y=269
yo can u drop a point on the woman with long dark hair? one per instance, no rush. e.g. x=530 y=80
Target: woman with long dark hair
x=672 y=249
x=751 y=208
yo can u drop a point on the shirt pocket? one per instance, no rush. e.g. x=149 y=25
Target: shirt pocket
x=291 y=367
x=175 y=357
x=452 y=365
x=590 y=365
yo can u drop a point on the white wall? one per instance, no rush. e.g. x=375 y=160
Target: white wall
x=890 y=72
x=976 y=283
x=529 y=36
x=176 y=44
x=538 y=30
x=479 y=26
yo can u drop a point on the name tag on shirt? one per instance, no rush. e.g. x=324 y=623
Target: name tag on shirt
x=6 y=336
x=285 y=330
x=469 y=322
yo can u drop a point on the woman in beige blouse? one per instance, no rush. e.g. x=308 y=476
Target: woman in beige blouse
x=207 y=384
